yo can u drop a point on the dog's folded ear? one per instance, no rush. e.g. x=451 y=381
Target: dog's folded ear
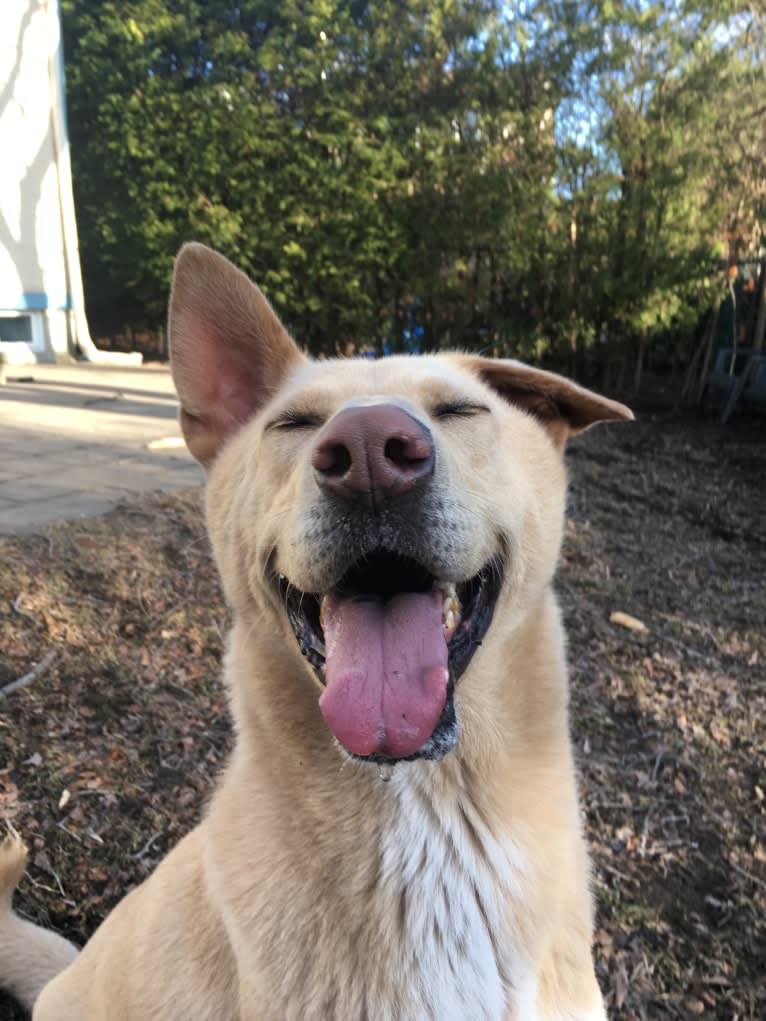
x=563 y=407
x=229 y=351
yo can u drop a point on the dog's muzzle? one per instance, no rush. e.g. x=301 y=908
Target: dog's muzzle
x=388 y=643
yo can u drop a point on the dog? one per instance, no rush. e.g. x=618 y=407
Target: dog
x=397 y=836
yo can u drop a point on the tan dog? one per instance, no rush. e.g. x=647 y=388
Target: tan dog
x=397 y=836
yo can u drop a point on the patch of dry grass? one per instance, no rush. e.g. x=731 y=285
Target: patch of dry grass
x=107 y=757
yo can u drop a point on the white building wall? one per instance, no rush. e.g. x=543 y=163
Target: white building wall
x=42 y=309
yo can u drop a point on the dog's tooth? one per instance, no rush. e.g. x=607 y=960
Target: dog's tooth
x=322 y=605
x=451 y=609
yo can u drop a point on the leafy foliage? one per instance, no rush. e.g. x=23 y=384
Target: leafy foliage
x=549 y=178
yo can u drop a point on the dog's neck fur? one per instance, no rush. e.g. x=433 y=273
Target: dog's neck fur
x=446 y=878
x=429 y=886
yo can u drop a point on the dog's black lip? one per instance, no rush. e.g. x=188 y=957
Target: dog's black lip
x=478 y=596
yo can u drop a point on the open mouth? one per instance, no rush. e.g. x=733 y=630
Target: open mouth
x=388 y=643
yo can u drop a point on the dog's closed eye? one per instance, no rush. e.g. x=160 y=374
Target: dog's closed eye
x=295 y=420
x=458 y=409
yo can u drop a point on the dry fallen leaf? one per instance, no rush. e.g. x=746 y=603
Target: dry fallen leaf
x=621 y=985
x=695 y=1006
x=625 y=620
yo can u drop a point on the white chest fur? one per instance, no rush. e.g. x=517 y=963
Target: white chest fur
x=448 y=879
x=433 y=930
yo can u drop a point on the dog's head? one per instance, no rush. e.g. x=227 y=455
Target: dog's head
x=375 y=513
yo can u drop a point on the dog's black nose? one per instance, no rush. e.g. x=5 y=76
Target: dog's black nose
x=373 y=453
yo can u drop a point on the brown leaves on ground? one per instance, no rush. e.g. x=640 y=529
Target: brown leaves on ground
x=670 y=723
x=106 y=758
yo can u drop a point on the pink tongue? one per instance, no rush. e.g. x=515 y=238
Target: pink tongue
x=386 y=672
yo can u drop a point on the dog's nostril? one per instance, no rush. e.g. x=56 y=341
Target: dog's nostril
x=337 y=460
x=409 y=452
x=395 y=451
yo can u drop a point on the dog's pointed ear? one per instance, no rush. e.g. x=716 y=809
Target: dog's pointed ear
x=563 y=407
x=229 y=351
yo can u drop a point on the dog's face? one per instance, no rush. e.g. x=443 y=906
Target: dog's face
x=378 y=513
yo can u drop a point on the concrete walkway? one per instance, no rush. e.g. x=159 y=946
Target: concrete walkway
x=75 y=440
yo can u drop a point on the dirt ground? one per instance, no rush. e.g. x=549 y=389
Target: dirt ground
x=106 y=757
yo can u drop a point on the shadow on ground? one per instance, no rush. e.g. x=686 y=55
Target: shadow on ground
x=120 y=400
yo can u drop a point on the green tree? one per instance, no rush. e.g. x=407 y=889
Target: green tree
x=551 y=178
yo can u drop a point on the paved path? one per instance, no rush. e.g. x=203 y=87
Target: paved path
x=74 y=440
